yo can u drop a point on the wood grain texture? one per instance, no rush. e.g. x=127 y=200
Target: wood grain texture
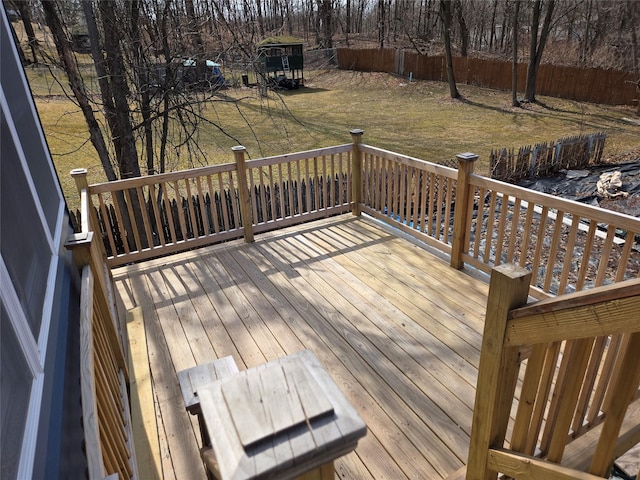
x=383 y=315
x=145 y=429
x=298 y=423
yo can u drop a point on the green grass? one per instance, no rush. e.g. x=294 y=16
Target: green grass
x=417 y=119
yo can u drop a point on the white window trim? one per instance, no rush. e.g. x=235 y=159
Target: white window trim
x=19 y=321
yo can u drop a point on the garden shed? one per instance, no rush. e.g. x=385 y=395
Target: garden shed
x=281 y=62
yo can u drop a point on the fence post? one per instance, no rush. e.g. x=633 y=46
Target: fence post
x=243 y=193
x=460 y=242
x=356 y=170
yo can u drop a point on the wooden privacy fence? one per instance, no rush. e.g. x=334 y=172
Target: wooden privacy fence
x=595 y=85
x=558 y=388
x=546 y=158
x=568 y=246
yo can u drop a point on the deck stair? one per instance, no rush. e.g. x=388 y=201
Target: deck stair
x=576 y=408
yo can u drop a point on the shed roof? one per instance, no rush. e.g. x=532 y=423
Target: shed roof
x=280 y=40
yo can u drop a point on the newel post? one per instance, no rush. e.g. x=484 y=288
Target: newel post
x=356 y=170
x=243 y=193
x=498 y=370
x=80 y=243
x=80 y=177
x=460 y=241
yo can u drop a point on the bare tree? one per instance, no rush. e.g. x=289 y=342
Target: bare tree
x=445 y=15
x=464 y=31
x=514 y=68
x=325 y=14
x=382 y=20
x=537 y=45
x=25 y=13
x=68 y=60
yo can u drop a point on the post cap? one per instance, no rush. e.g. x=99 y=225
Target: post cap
x=356 y=131
x=238 y=148
x=76 y=172
x=467 y=157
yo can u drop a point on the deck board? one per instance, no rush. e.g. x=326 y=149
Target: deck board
x=397 y=329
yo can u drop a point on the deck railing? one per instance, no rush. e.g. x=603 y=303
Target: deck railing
x=103 y=372
x=568 y=246
x=157 y=215
x=577 y=405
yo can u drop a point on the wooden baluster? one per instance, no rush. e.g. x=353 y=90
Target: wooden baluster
x=623 y=390
x=526 y=234
x=432 y=203
x=629 y=240
x=448 y=202
x=156 y=213
x=489 y=227
x=604 y=256
x=190 y=205
x=553 y=251
x=223 y=202
x=292 y=210
x=145 y=216
x=504 y=206
x=514 y=230
x=280 y=184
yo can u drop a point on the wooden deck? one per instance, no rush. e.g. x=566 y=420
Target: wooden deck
x=394 y=325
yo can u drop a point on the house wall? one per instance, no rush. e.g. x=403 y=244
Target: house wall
x=41 y=424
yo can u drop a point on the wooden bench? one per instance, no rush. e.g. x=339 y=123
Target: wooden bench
x=192 y=379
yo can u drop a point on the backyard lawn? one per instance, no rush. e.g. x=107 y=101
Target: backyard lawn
x=417 y=118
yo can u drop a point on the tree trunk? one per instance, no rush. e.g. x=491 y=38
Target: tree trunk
x=514 y=70
x=25 y=13
x=492 y=36
x=67 y=57
x=324 y=15
x=141 y=70
x=347 y=26
x=464 y=31
x=101 y=71
x=446 y=14
x=537 y=46
x=633 y=14
x=584 y=48
x=381 y=22
x=127 y=156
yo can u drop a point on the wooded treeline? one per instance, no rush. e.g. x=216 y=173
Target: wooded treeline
x=141 y=115
x=587 y=33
